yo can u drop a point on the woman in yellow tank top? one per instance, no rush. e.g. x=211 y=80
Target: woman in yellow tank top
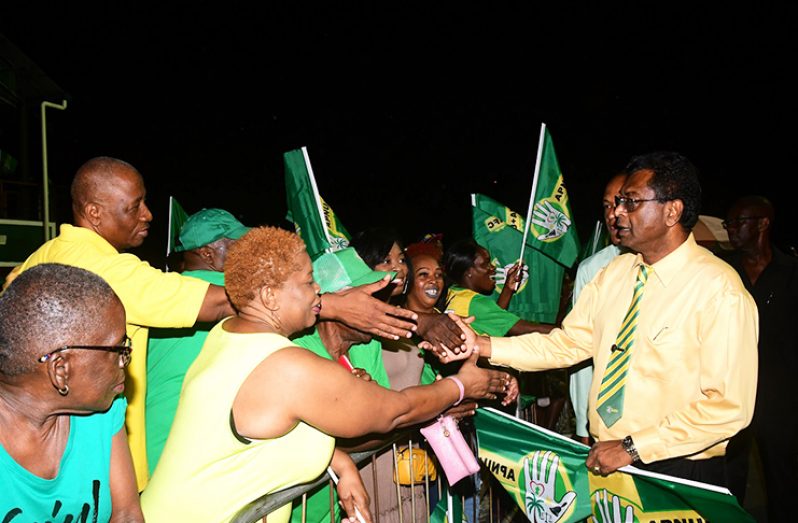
x=258 y=415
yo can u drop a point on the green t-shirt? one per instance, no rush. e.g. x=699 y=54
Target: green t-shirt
x=170 y=353
x=81 y=490
x=366 y=356
x=489 y=318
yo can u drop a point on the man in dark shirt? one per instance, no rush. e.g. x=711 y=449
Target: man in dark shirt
x=771 y=276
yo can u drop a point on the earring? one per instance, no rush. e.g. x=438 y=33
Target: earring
x=64 y=391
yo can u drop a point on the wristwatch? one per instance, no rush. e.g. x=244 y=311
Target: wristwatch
x=629 y=447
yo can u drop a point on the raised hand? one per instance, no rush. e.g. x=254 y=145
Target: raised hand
x=482 y=383
x=513 y=273
x=611 y=514
x=540 y=478
x=555 y=222
x=357 y=308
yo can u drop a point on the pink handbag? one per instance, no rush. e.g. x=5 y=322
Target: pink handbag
x=451 y=449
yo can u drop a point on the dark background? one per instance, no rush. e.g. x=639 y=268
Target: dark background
x=407 y=108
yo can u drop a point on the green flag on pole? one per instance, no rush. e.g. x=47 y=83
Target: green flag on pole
x=177 y=217
x=545 y=474
x=499 y=230
x=550 y=219
x=599 y=239
x=313 y=219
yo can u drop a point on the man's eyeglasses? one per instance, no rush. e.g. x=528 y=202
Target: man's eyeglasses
x=630 y=204
x=123 y=350
x=738 y=221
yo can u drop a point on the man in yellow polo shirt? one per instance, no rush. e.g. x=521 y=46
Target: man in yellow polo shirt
x=111 y=216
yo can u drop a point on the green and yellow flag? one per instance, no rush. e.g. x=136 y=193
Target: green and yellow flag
x=545 y=474
x=313 y=218
x=177 y=217
x=550 y=219
x=500 y=230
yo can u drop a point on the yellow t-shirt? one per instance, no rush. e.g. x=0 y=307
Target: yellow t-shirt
x=152 y=298
x=489 y=318
x=205 y=472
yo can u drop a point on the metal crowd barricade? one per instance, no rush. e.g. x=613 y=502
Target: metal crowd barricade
x=261 y=507
x=493 y=505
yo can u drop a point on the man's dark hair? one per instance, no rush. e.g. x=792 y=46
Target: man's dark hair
x=459 y=257
x=48 y=306
x=675 y=178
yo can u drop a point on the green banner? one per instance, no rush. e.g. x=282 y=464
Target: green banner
x=499 y=230
x=551 y=221
x=545 y=474
x=177 y=217
x=313 y=219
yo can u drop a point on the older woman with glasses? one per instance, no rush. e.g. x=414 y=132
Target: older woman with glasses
x=258 y=414
x=63 y=447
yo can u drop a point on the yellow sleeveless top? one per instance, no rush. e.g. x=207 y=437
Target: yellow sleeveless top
x=205 y=472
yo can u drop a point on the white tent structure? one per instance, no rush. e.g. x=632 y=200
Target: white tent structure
x=710 y=233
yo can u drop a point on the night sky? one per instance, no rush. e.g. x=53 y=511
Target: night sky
x=407 y=108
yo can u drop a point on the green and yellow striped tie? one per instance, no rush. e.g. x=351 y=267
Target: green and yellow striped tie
x=610 y=397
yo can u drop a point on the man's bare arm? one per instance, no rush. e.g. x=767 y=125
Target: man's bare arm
x=357 y=308
x=215 y=306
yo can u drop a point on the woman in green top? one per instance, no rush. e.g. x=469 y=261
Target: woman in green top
x=471 y=277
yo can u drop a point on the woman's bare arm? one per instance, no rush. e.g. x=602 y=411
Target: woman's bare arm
x=124 y=494
x=295 y=385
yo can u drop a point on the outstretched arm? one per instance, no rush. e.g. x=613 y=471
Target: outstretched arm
x=357 y=308
x=215 y=306
x=525 y=327
x=295 y=385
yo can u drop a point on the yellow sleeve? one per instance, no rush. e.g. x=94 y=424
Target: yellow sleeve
x=562 y=347
x=152 y=297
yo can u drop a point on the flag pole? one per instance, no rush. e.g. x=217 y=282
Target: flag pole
x=169 y=233
x=596 y=236
x=532 y=195
x=534 y=189
x=316 y=195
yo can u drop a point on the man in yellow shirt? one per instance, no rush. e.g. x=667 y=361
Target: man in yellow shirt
x=671 y=330
x=111 y=216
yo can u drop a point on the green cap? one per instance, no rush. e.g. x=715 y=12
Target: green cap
x=206 y=227
x=338 y=270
